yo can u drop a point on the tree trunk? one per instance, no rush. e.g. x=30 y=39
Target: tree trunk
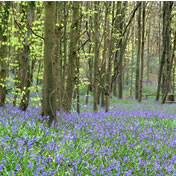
x=58 y=70
x=169 y=69
x=148 y=52
x=4 y=15
x=64 y=74
x=108 y=87
x=142 y=54
x=96 y=58
x=49 y=80
x=103 y=64
x=138 y=55
x=26 y=82
x=132 y=62
x=74 y=36
x=165 y=64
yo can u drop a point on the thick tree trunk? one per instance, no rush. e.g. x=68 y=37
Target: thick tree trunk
x=49 y=80
x=167 y=86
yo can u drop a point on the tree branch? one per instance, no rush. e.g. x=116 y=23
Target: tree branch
x=35 y=33
x=82 y=45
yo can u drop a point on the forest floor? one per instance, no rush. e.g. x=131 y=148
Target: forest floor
x=131 y=139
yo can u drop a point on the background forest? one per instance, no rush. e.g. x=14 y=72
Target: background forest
x=104 y=49
x=102 y=71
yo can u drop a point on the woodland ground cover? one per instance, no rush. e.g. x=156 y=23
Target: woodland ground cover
x=131 y=139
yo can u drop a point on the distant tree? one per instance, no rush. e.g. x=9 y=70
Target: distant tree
x=49 y=79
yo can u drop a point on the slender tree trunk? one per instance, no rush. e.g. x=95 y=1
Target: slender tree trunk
x=120 y=83
x=26 y=82
x=159 y=33
x=77 y=85
x=148 y=52
x=87 y=95
x=138 y=55
x=38 y=73
x=103 y=69
x=58 y=70
x=74 y=36
x=17 y=76
x=65 y=52
x=118 y=21
x=49 y=80
x=132 y=62
x=173 y=63
x=108 y=87
x=96 y=58
x=142 y=54
x=4 y=15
